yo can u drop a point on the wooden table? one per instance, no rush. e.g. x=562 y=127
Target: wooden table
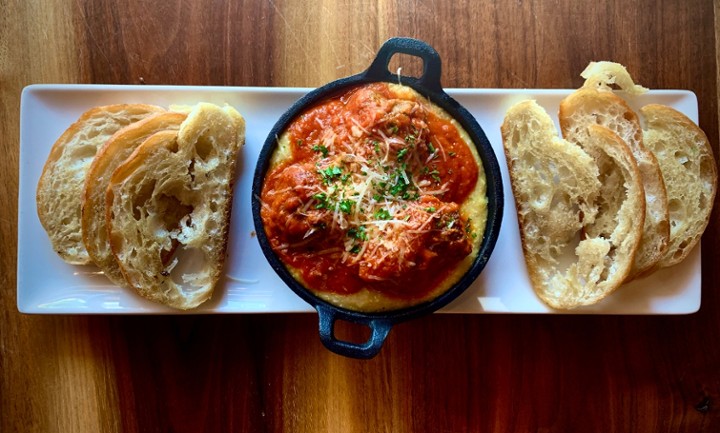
x=443 y=373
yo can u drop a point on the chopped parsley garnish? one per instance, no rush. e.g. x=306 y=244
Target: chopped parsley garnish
x=399 y=188
x=401 y=153
x=468 y=229
x=329 y=174
x=322 y=201
x=430 y=147
x=435 y=175
x=355 y=249
x=322 y=149
x=358 y=233
x=347 y=205
x=299 y=142
x=382 y=214
x=393 y=129
x=402 y=188
x=410 y=196
x=431 y=209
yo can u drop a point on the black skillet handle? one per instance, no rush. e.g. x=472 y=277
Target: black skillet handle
x=430 y=79
x=380 y=329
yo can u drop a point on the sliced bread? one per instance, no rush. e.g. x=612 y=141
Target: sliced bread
x=59 y=191
x=595 y=103
x=168 y=207
x=688 y=167
x=113 y=153
x=579 y=240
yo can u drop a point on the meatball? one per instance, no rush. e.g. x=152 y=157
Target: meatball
x=433 y=233
x=287 y=207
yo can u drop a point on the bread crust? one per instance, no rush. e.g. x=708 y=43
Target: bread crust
x=602 y=75
x=591 y=106
x=689 y=168
x=59 y=188
x=109 y=157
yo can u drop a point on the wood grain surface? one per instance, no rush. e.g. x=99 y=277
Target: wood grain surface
x=269 y=373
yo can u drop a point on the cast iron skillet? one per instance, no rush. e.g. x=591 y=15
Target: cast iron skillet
x=429 y=86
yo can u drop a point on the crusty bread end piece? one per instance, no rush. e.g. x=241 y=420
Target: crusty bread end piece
x=688 y=167
x=59 y=190
x=603 y=75
x=113 y=153
x=559 y=197
x=589 y=106
x=168 y=207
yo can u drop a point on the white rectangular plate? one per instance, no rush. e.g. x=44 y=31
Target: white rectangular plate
x=47 y=285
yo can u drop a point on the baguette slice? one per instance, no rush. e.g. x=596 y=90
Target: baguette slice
x=59 y=191
x=595 y=103
x=113 y=153
x=168 y=207
x=560 y=197
x=688 y=166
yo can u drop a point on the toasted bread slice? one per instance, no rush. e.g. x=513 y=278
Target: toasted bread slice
x=688 y=167
x=168 y=207
x=59 y=191
x=113 y=153
x=560 y=198
x=595 y=104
